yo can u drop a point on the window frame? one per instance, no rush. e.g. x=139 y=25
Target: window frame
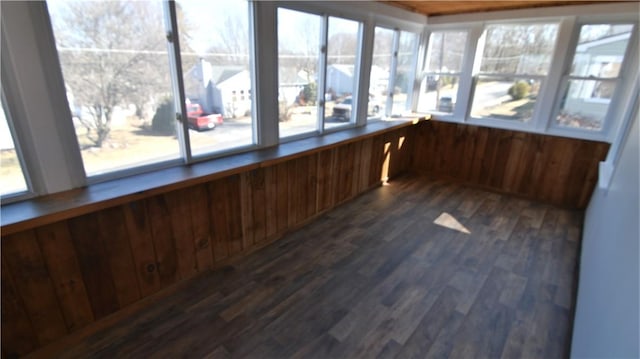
x=569 y=18
x=544 y=84
x=459 y=74
x=28 y=192
x=616 y=98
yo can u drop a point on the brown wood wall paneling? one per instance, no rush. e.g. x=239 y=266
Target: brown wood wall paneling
x=59 y=278
x=557 y=170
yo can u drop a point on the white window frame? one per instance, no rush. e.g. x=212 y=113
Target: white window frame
x=457 y=113
x=28 y=192
x=47 y=138
x=570 y=18
x=544 y=85
x=566 y=77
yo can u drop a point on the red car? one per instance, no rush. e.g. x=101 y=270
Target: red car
x=199 y=120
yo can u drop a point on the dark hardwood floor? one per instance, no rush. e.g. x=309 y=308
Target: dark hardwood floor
x=378 y=278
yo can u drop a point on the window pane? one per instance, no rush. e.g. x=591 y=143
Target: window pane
x=12 y=178
x=600 y=50
x=404 y=72
x=585 y=104
x=298 y=54
x=518 y=49
x=438 y=93
x=214 y=49
x=380 y=69
x=341 y=71
x=115 y=66
x=446 y=50
x=505 y=99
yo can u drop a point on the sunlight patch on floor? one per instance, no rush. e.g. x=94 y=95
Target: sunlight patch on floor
x=448 y=221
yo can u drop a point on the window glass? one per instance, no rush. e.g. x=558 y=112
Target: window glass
x=214 y=49
x=439 y=87
x=446 y=51
x=298 y=57
x=115 y=66
x=515 y=60
x=341 y=73
x=12 y=178
x=596 y=65
x=404 y=72
x=518 y=49
x=380 y=70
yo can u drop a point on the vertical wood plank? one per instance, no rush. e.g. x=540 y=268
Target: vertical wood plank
x=478 y=158
x=33 y=283
x=259 y=198
x=200 y=201
x=234 y=212
x=94 y=263
x=311 y=185
x=180 y=217
x=162 y=235
x=282 y=198
x=301 y=193
x=218 y=217
x=325 y=179
x=18 y=336
x=116 y=242
x=271 y=201
x=62 y=263
x=365 y=166
x=292 y=194
x=355 y=177
x=246 y=205
x=144 y=255
x=503 y=151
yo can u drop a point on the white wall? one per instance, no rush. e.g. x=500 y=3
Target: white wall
x=607 y=314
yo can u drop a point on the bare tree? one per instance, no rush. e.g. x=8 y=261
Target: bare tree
x=113 y=53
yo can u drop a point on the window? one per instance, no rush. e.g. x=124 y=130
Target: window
x=214 y=51
x=515 y=61
x=405 y=72
x=318 y=72
x=115 y=65
x=298 y=71
x=595 y=71
x=380 y=71
x=12 y=180
x=439 y=85
x=342 y=72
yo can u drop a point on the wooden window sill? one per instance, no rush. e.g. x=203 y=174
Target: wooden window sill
x=59 y=206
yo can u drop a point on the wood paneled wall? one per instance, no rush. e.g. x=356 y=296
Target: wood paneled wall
x=61 y=277
x=557 y=170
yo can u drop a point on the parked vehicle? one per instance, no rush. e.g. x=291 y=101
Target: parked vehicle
x=445 y=104
x=199 y=120
x=342 y=109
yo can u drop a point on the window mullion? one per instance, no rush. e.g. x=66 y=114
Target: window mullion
x=549 y=104
x=419 y=61
x=469 y=63
x=365 y=58
x=177 y=79
x=322 y=73
x=392 y=72
x=43 y=127
x=264 y=45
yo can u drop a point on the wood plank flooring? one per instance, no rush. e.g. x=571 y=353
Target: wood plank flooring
x=377 y=278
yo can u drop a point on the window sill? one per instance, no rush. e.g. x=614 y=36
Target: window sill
x=59 y=206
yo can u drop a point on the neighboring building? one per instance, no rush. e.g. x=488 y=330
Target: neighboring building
x=219 y=89
x=600 y=59
x=340 y=80
x=291 y=83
